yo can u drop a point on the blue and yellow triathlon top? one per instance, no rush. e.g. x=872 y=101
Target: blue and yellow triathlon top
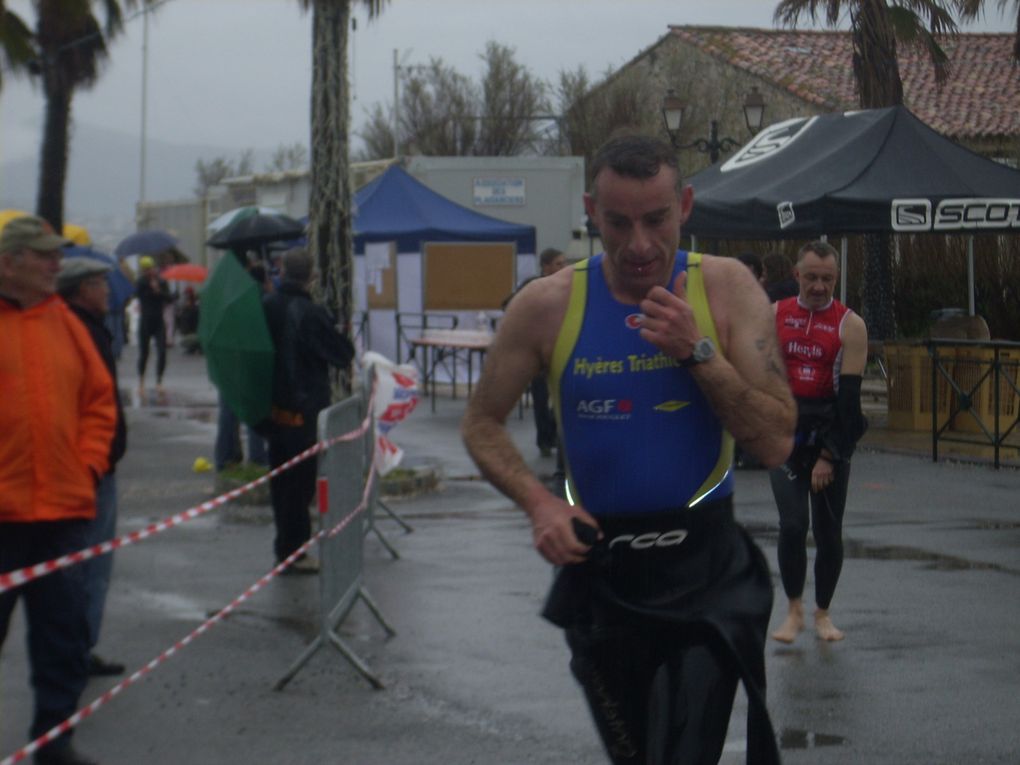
x=638 y=434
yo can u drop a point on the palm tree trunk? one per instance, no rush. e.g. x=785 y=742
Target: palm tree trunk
x=876 y=67
x=54 y=151
x=876 y=70
x=329 y=215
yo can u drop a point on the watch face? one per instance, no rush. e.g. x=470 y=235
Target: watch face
x=704 y=349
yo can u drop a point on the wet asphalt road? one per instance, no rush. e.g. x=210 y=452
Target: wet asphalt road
x=928 y=673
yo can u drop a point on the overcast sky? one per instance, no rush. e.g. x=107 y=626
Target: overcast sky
x=237 y=73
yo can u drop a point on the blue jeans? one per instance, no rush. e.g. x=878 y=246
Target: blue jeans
x=115 y=323
x=98 y=570
x=55 y=611
x=227 y=450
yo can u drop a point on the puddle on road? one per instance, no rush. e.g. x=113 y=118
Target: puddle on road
x=464 y=515
x=935 y=561
x=992 y=526
x=806 y=739
x=305 y=626
x=184 y=413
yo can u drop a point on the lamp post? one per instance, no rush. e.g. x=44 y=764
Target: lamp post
x=673 y=108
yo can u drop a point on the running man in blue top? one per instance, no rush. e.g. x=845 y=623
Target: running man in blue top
x=657 y=360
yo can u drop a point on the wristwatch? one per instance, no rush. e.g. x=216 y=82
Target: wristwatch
x=704 y=349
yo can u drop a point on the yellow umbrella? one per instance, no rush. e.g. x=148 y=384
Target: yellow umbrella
x=8 y=215
x=77 y=234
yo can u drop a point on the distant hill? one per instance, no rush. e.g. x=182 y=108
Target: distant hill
x=102 y=182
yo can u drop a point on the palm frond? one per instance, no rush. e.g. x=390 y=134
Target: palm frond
x=788 y=12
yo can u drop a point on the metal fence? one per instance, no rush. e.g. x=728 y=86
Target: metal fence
x=343 y=470
x=975 y=395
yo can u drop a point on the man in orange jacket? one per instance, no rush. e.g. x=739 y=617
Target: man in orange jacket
x=56 y=424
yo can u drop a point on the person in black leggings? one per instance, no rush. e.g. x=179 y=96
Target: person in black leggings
x=153 y=295
x=792 y=491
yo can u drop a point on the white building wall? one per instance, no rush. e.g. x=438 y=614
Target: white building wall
x=553 y=190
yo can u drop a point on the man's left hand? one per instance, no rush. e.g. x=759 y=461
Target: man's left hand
x=821 y=475
x=669 y=322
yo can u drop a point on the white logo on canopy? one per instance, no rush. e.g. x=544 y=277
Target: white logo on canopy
x=955 y=214
x=768 y=143
x=786 y=214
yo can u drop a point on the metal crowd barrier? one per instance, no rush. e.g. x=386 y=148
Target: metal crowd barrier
x=343 y=470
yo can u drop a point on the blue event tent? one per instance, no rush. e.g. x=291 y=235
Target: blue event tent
x=397 y=207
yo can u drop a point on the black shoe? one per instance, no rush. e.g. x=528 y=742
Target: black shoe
x=100 y=668
x=61 y=755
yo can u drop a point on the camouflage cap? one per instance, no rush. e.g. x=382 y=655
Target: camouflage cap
x=30 y=232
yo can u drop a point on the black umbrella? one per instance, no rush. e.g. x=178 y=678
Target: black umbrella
x=252 y=229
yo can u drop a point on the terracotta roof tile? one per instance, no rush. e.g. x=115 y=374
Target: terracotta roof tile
x=981 y=98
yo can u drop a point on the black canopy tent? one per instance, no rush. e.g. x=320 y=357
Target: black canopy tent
x=853 y=172
x=879 y=170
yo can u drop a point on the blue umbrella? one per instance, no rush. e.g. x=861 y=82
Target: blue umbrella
x=148 y=242
x=121 y=288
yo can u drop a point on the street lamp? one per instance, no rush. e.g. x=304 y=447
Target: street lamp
x=673 y=115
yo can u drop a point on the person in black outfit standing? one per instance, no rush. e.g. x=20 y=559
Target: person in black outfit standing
x=778 y=279
x=83 y=286
x=153 y=295
x=550 y=261
x=307 y=343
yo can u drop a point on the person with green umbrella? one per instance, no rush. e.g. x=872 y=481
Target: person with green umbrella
x=307 y=343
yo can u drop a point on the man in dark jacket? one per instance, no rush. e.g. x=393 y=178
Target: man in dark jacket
x=83 y=285
x=307 y=343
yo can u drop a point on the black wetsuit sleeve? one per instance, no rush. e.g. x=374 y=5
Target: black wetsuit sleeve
x=849 y=424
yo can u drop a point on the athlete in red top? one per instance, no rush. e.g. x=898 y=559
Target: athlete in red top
x=825 y=347
x=812 y=345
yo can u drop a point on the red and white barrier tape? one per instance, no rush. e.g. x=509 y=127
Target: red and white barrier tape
x=109 y=695
x=13 y=579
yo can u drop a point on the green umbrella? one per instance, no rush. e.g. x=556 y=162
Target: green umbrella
x=236 y=341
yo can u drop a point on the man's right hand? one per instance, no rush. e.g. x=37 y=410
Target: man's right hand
x=552 y=529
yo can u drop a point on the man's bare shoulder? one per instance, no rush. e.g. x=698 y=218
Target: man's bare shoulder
x=732 y=291
x=717 y=267
x=535 y=314
x=854 y=328
x=541 y=299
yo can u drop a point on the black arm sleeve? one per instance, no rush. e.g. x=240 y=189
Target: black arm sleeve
x=850 y=424
x=325 y=340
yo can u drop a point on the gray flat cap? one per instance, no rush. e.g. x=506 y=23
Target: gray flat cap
x=74 y=270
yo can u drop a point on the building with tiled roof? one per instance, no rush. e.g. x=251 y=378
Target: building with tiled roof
x=809 y=72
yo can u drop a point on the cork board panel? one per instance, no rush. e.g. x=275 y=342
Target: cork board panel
x=468 y=276
x=381 y=275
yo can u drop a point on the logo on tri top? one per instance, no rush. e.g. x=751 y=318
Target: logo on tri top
x=804 y=349
x=670 y=406
x=633 y=321
x=605 y=409
x=650 y=539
